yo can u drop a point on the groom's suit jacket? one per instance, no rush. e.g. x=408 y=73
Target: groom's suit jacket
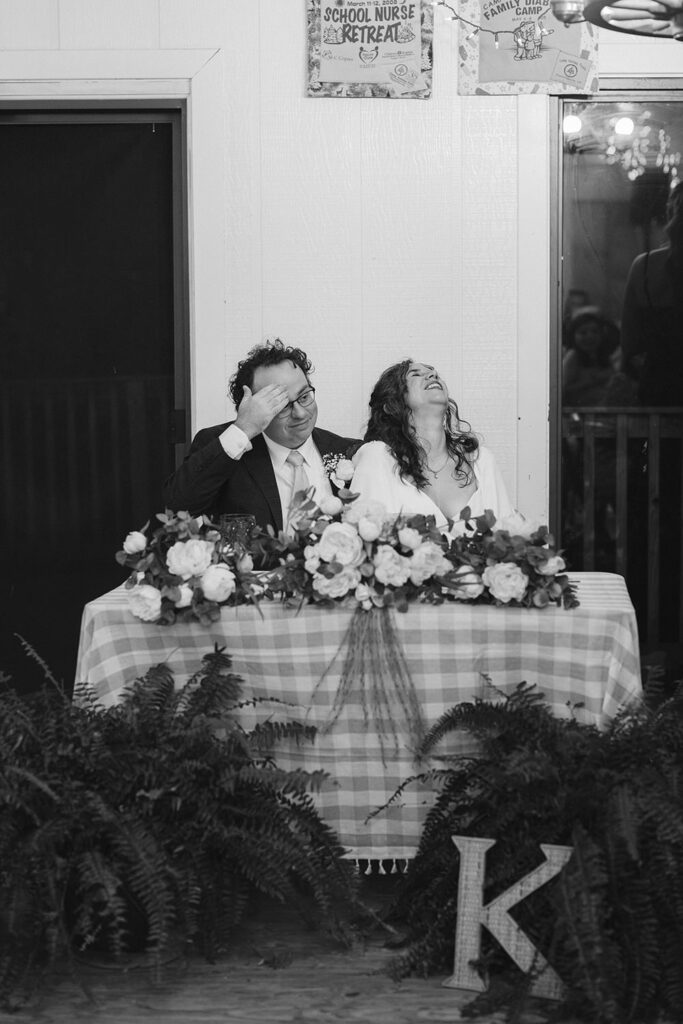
x=209 y=482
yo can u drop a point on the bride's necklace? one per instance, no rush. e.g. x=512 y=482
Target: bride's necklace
x=435 y=472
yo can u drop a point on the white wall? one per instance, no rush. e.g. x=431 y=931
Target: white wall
x=363 y=230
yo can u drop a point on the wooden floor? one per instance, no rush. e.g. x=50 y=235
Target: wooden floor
x=279 y=972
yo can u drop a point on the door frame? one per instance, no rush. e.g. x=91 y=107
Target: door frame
x=154 y=78
x=172 y=112
x=611 y=90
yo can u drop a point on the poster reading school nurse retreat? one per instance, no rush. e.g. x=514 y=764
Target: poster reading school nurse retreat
x=369 y=48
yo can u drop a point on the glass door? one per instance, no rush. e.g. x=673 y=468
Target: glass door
x=621 y=353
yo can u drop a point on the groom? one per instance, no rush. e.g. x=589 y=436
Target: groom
x=247 y=466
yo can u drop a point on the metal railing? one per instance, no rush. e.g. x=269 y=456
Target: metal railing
x=623 y=480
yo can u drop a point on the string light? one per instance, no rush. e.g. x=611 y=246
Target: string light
x=454 y=16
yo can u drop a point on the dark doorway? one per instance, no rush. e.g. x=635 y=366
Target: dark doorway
x=92 y=367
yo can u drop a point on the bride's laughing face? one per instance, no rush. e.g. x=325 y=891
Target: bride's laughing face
x=424 y=388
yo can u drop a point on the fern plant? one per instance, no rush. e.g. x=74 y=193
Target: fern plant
x=163 y=802
x=612 y=922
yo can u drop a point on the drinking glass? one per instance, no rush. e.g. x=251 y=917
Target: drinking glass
x=236 y=528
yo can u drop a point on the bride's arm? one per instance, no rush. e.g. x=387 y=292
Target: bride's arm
x=493 y=490
x=374 y=477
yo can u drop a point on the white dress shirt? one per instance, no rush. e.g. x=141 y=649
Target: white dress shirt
x=235 y=443
x=313 y=464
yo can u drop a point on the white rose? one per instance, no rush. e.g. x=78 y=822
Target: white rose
x=331 y=505
x=368 y=528
x=218 y=582
x=409 y=537
x=517 y=525
x=185 y=599
x=391 y=568
x=189 y=558
x=505 y=581
x=344 y=470
x=339 y=542
x=145 y=602
x=370 y=509
x=428 y=560
x=469 y=583
x=339 y=584
x=552 y=566
x=134 y=543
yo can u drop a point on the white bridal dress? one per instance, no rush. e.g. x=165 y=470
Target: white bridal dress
x=376 y=479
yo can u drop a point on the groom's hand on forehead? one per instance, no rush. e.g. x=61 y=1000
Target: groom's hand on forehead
x=258 y=409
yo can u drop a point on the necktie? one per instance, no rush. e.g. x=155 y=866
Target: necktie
x=300 y=481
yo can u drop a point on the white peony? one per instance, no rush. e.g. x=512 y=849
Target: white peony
x=368 y=528
x=134 y=543
x=552 y=566
x=505 y=581
x=338 y=585
x=185 y=599
x=145 y=602
x=391 y=568
x=428 y=560
x=339 y=542
x=469 y=583
x=311 y=558
x=344 y=470
x=409 y=538
x=331 y=505
x=189 y=558
x=218 y=582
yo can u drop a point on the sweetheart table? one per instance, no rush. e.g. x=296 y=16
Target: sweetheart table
x=584 y=660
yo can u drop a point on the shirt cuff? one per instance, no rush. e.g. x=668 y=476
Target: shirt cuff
x=234 y=442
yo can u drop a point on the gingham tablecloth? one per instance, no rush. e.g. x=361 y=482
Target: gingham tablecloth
x=584 y=656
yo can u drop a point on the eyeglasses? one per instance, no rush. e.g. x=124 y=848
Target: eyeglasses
x=305 y=400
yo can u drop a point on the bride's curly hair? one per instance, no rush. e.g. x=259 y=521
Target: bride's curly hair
x=391 y=421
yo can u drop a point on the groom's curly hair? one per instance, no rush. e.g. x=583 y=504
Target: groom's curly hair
x=391 y=421
x=271 y=354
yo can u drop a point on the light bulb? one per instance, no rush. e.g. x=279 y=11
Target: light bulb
x=624 y=126
x=571 y=125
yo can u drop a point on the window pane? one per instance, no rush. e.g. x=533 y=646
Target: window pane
x=622 y=352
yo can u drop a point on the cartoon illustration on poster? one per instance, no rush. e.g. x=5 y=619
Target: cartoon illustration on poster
x=370 y=48
x=512 y=46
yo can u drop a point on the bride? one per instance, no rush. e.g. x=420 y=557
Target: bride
x=418 y=456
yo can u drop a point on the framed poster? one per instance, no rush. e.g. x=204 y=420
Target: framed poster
x=366 y=48
x=517 y=46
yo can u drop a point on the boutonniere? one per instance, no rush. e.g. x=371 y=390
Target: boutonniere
x=339 y=469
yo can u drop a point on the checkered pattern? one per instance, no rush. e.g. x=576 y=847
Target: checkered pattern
x=587 y=655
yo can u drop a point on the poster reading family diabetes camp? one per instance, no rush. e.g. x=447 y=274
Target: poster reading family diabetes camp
x=366 y=48
x=517 y=46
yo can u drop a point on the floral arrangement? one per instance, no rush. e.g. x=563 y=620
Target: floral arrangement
x=185 y=570
x=343 y=551
x=349 y=552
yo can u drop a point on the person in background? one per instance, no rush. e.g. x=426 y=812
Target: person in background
x=652 y=315
x=272 y=450
x=419 y=456
x=591 y=361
